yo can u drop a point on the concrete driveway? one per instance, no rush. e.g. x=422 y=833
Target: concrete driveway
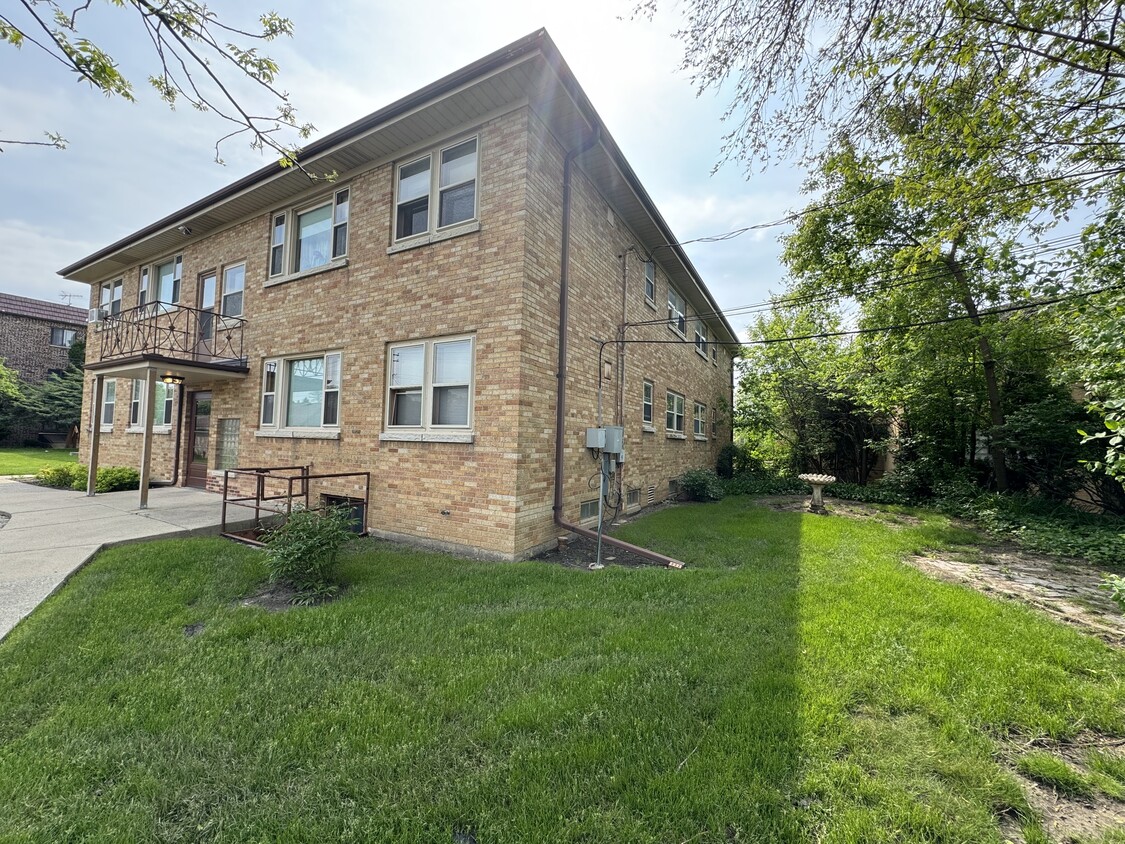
x=50 y=533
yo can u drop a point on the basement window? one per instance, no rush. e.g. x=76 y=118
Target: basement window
x=588 y=510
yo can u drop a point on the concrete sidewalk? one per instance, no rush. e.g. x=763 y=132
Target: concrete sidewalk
x=52 y=532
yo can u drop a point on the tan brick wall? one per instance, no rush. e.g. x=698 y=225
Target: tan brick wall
x=598 y=239
x=499 y=284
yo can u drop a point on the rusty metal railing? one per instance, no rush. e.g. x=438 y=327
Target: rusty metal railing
x=277 y=488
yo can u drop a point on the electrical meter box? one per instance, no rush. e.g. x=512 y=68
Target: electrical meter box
x=614 y=439
x=610 y=439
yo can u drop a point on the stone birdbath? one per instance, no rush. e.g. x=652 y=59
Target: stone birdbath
x=818 y=483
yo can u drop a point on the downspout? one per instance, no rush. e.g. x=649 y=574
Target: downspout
x=560 y=402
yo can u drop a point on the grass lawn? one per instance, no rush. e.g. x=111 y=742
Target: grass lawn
x=795 y=683
x=28 y=461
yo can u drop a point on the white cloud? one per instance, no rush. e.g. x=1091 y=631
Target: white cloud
x=32 y=255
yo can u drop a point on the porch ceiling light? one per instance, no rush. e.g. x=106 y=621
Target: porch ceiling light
x=172 y=379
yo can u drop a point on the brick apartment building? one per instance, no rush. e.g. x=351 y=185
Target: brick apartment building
x=35 y=339
x=409 y=318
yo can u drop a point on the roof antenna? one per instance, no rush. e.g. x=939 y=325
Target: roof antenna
x=69 y=298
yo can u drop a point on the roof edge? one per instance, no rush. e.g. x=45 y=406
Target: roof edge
x=527 y=45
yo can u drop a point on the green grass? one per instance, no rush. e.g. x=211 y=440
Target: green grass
x=796 y=683
x=28 y=461
x=1054 y=772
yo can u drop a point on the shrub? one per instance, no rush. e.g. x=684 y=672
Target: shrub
x=302 y=552
x=110 y=478
x=1116 y=585
x=701 y=485
x=869 y=494
x=764 y=483
x=62 y=476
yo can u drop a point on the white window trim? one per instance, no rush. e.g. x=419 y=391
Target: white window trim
x=279 y=426
x=702 y=340
x=434 y=231
x=428 y=431
x=221 y=289
x=676 y=433
x=137 y=398
x=289 y=238
x=107 y=427
x=115 y=289
x=64 y=344
x=650 y=269
x=149 y=285
x=650 y=423
x=699 y=421
x=675 y=317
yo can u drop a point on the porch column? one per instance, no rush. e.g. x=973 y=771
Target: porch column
x=95 y=434
x=146 y=443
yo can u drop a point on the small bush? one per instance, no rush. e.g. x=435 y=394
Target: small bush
x=110 y=478
x=302 y=552
x=701 y=485
x=868 y=494
x=764 y=483
x=62 y=476
x=1116 y=586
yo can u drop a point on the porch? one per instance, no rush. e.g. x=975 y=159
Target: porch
x=160 y=343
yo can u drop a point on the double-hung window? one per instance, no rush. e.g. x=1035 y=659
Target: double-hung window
x=430 y=384
x=646 y=404
x=160 y=284
x=650 y=282
x=310 y=236
x=699 y=421
x=677 y=321
x=674 y=419
x=701 y=338
x=63 y=337
x=436 y=190
x=234 y=282
x=165 y=394
x=301 y=392
x=110 y=298
x=109 y=401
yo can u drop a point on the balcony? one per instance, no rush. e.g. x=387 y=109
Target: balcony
x=170 y=334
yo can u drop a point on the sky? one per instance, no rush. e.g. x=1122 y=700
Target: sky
x=129 y=164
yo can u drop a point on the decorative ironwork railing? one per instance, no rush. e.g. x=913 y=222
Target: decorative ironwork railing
x=173 y=331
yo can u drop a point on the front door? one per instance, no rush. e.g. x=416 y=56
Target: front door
x=199 y=438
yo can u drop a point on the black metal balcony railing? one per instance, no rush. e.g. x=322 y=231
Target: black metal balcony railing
x=172 y=331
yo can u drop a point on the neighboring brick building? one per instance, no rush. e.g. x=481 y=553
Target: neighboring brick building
x=405 y=319
x=35 y=339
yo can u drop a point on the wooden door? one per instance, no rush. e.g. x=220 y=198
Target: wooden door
x=199 y=438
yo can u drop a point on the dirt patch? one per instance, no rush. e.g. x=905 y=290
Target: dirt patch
x=1069 y=817
x=1069 y=592
x=838 y=507
x=581 y=553
x=272 y=598
x=192 y=630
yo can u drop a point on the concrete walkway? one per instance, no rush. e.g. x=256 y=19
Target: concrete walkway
x=52 y=532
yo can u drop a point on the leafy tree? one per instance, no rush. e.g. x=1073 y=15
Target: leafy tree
x=796 y=407
x=198 y=59
x=56 y=403
x=9 y=397
x=804 y=71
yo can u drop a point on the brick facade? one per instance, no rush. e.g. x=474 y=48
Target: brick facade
x=25 y=343
x=497 y=282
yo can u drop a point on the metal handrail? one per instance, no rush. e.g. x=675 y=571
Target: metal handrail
x=173 y=331
x=259 y=499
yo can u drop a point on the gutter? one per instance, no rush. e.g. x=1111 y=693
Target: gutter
x=564 y=345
